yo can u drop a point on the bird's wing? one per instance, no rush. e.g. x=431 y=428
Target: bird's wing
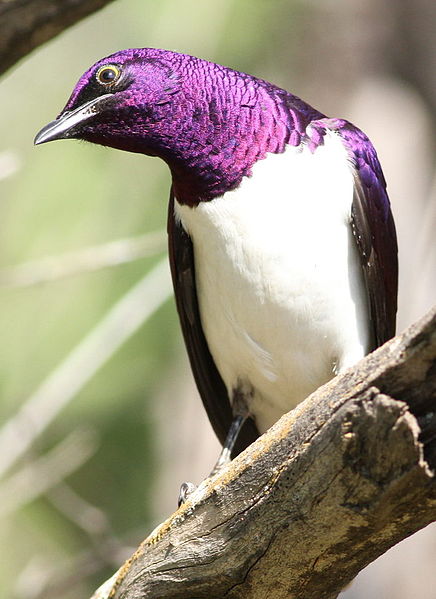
x=374 y=231
x=209 y=382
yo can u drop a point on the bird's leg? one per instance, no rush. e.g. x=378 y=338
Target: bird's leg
x=240 y=415
x=232 y=435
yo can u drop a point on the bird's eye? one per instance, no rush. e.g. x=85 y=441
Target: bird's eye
x=108 y=74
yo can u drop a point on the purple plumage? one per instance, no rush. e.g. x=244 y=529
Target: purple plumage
x=208 y=122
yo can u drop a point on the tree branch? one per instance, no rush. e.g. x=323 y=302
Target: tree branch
x=26 y=24
x=333 y=485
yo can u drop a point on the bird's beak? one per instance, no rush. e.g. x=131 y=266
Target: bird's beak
x=63 y=126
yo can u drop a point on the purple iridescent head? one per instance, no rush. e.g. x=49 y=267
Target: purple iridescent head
x=208 y=122
x=130 y=100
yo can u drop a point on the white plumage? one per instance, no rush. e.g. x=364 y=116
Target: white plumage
x=279 y=280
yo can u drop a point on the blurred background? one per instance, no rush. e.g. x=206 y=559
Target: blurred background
x=99 y=418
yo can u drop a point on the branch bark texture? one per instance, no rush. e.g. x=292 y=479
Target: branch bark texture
x=333 y=485
x=26 y=24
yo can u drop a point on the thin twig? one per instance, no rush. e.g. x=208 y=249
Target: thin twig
x=53 y=268
x=39 y=476
x=59 y=388
x=89 y=518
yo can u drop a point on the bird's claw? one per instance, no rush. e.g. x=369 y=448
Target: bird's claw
x=186 y=489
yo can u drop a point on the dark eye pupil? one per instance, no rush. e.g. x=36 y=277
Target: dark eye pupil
x=107 y=75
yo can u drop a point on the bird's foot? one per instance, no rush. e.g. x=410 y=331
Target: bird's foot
x=186 y=489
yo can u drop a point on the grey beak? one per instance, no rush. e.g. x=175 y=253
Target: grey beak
x=63 y=126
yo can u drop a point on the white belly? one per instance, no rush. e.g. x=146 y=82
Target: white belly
x=279 y=281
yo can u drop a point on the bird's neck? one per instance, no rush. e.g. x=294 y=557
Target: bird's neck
x=217 y=145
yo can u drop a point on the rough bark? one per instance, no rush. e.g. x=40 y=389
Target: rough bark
x=329 y=488
x=26 y=24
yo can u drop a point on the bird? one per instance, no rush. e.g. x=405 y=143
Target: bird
x=282 y=243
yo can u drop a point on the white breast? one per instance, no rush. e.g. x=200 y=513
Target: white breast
x=279 y=282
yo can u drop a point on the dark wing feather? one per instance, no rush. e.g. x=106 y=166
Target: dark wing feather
x=374 y=230
x=210 y=385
